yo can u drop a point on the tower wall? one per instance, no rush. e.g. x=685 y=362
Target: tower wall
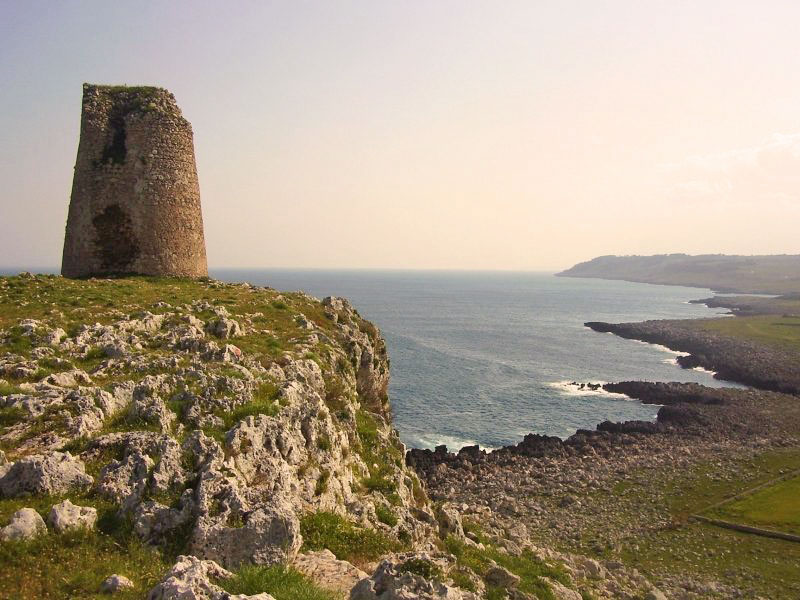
x=135 y=205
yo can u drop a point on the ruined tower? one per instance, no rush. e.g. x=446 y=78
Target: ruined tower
x=135 y=205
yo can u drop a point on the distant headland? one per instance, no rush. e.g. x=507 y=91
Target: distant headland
x=765 y=274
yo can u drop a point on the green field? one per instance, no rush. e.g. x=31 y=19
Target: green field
x=781 y=332
x=775 y=507
x=756 y=564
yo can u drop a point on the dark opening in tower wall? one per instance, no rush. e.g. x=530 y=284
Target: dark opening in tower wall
x=116 y=245
x=115 y=151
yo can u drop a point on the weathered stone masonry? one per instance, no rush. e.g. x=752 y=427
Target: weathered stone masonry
x=135 y=205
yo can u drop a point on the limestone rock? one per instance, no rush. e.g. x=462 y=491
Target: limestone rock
x=560 y=591
x=268 y=536
x=655 y=594
x=326 y=570
x=152 y=521
x=66 y=516
x=191 y=579
x=25 y=524
x=501 y=577
x=225 y=328
x=593 y=569
x=45 y=474
x=449 y=521
x=115 y=583
x=387 y=583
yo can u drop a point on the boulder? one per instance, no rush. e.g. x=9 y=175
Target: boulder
x=25 y=524
x=326 y=570
x=387 y=583
x=269 y=535
x=225 y=328
x=66 y=516
x=593 y=569
x=45 y=474
x=115 y=583
x=192 y=579
x=449 y=521
x=501 y=577
x=560 y=591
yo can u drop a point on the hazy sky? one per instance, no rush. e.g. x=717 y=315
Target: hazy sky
x=486 y=135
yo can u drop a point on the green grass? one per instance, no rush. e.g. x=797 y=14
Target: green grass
x=344 y=538
x=11 y=415
x=774 y=507
x=380 y=457
x=766 y=566
x=6 y=389
x=423 y=568
x=282 y=582
x=73 y=564
x=528 y=567
x=386 y=515
x=771 y=330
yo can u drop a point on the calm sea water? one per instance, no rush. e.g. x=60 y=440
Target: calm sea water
x=484 y=357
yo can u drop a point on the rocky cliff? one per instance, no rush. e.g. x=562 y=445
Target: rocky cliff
x=221 y=421
x=189 y=439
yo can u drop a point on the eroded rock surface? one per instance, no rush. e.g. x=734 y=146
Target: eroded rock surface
x=25 y=524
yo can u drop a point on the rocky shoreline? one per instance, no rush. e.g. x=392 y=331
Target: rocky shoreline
x=568 y=491
x=737 y=360
x=565 y=490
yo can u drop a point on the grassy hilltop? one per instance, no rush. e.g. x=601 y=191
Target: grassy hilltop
x=64 y=341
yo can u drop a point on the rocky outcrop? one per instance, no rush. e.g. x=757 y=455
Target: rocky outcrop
x=66 y=516
x=388 y=583
x=325 y=569
x=217 y=426
x=193 y=579
x=25 y=524
x=45 y=474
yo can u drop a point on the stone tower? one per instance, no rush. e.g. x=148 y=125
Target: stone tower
x=135 y=205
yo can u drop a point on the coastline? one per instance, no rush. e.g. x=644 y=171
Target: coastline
x=576 y=493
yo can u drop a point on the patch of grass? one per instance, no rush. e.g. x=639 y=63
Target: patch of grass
x=251 y=409
x=17 y=343
x=73 y=564
x=282 y=582
x=423 y=568
x=11 y=415
x=344 y=538
x=528 y=567
x=774 y=507
x=386 y=515
x=772 y=330
x=462 y=579
x=322 y=483
x=380 y=456
x=6 y=389
x=760 y=566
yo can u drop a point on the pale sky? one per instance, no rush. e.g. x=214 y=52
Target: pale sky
x=443 y=134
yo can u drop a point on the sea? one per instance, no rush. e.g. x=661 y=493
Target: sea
x=488 y=357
